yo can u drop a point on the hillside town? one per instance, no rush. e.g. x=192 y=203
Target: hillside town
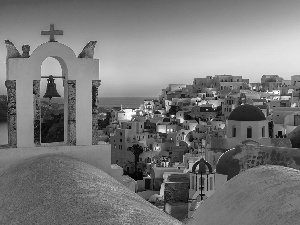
x=176 y=150
x=171 y=157
x=165 y=138
x=119 y=112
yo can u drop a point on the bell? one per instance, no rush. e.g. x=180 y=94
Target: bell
x=51 y=89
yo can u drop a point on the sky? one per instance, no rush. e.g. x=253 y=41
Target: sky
x=144 y=45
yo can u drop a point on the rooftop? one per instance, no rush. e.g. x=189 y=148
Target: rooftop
x=247 y=113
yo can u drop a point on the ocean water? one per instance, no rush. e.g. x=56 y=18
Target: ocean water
x=108 y=102
x=126 y=102
x=3 y=133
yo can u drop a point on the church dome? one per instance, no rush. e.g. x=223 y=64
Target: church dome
x=247 y=113
x=202 y=164
x=269 y=189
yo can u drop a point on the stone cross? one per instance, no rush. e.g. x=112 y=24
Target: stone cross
x=52 y=32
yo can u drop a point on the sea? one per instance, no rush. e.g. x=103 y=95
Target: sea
x=3 y=133
x=105 y=102
x=126 y=102
x=109 y=102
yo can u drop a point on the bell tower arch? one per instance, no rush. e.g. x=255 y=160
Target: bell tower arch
x=81 y=82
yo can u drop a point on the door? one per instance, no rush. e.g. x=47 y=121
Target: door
x=147 y=184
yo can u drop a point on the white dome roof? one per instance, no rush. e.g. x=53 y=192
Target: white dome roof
x=57 y=189
x=261 y=195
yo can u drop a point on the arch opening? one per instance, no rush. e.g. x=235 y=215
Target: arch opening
x=53 y=111
x=3 y=122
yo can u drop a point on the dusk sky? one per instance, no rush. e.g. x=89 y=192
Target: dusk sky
x=144 y=45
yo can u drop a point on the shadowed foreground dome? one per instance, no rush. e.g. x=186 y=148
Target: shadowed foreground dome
x=57 y=189
x=263 y=195
x=247 y=113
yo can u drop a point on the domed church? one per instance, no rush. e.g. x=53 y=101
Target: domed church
x=247 y=122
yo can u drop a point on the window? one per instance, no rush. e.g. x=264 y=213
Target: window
x=121 y=140
x=233 y=131
x=263 y=131
x=203 y=183
x=192 y=183
x=249 y=132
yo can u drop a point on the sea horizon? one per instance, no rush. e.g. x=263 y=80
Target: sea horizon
x=109 y=102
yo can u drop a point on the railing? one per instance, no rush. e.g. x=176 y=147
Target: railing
x=281 y=136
